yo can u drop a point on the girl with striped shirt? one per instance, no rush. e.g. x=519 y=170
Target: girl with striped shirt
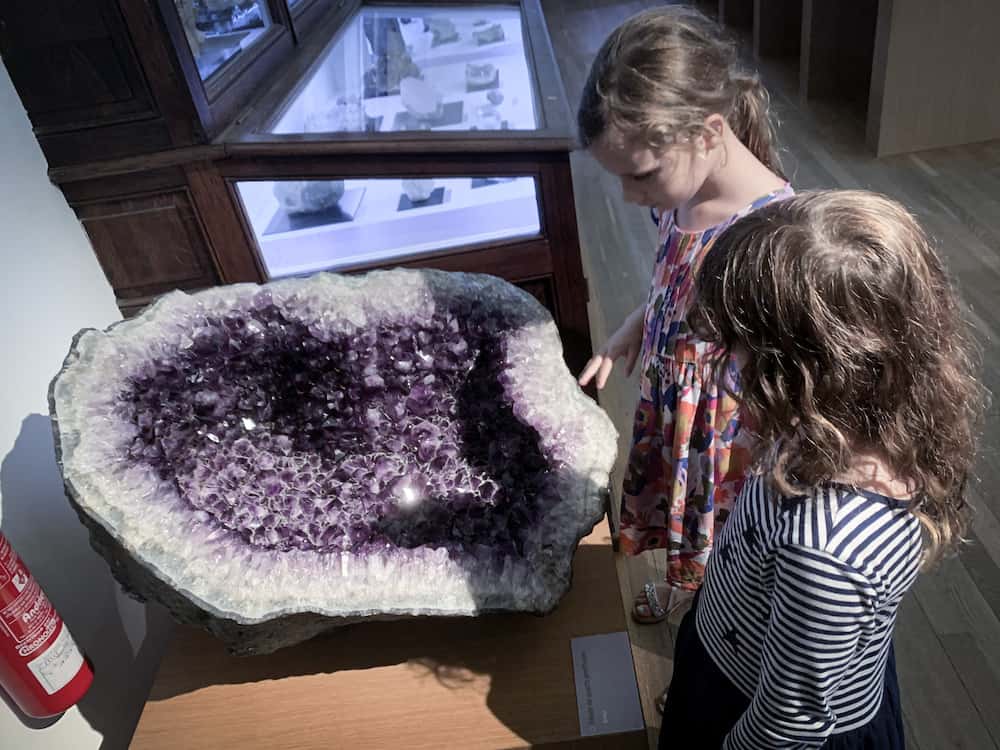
x=835 y=319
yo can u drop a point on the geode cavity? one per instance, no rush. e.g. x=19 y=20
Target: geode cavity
x=272 y=461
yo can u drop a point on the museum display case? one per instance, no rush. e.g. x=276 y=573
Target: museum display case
x=302 y=226
x=413 y=68
x=224 y=141
x=217 y=31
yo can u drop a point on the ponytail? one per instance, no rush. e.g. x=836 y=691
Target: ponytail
x=751 y=122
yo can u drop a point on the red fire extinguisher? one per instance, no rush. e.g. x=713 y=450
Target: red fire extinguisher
x=41 y=667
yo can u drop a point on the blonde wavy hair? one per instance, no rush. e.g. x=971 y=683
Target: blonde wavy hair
x=855 y=343
x=665 y=70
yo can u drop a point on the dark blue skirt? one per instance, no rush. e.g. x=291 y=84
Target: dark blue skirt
x=703 y=705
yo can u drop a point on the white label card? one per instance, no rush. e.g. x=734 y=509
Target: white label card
x=58 y=664
x=606 y=692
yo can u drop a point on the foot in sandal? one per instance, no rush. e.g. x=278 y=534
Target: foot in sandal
x=657 y=602
x=661 y=701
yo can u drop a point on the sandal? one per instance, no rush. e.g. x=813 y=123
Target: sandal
x=649 y=610
x=661 y=701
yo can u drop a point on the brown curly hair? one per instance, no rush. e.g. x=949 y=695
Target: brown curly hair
x=855 y=344
x=662 y=72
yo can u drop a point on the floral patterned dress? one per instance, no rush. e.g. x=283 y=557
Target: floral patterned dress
x=688 y=457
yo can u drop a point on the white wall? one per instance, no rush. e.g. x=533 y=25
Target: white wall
x=50 y=287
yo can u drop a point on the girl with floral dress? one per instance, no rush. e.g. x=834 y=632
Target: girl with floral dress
x=667 y=109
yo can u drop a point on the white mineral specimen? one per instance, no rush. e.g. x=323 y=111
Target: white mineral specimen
x=489 y=35
x=420 y=98
x=479 y=76
x=418 y=190
x=442 y=29
x=308 y=196
x=346 y=115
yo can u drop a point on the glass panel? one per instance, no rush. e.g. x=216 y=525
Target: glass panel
x=218 y=30
x=426 y=68
x=313 y=225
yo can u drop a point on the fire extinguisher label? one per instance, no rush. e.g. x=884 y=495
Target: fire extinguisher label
x=58 y=664
x=26 y=615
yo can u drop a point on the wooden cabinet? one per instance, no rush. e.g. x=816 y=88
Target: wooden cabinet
x=105 y=79
x=119 y=229
x=194 y=138
x=76 y=68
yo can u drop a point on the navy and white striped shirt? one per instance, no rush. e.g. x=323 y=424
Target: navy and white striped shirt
x=798 y=607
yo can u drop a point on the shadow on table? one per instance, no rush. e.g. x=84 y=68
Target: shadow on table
x=526 y=658
x=122 y=639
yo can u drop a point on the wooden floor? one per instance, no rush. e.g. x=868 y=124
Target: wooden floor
x=948 y=637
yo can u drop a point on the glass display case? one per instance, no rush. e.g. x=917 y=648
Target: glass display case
x=418 y=68
x=387 y=125
x=303 y=226
x=218 y=30
x=271 y=138
x=432 y=134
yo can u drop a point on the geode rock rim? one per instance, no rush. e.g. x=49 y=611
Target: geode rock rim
x=584 y=478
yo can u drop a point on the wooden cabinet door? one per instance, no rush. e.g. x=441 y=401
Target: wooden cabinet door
x=73 y=63
x=150 y=244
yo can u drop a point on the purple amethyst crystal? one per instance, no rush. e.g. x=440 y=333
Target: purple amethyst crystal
x=274 y=461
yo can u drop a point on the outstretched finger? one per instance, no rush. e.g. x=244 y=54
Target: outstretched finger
x=602 y=375
x=588 y=372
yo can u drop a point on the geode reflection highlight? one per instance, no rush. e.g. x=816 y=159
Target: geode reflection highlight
x=273 y=461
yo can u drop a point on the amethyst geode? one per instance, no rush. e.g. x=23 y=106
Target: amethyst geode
x=273 y=461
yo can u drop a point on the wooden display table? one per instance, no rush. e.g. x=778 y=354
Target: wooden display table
x=503 y=681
